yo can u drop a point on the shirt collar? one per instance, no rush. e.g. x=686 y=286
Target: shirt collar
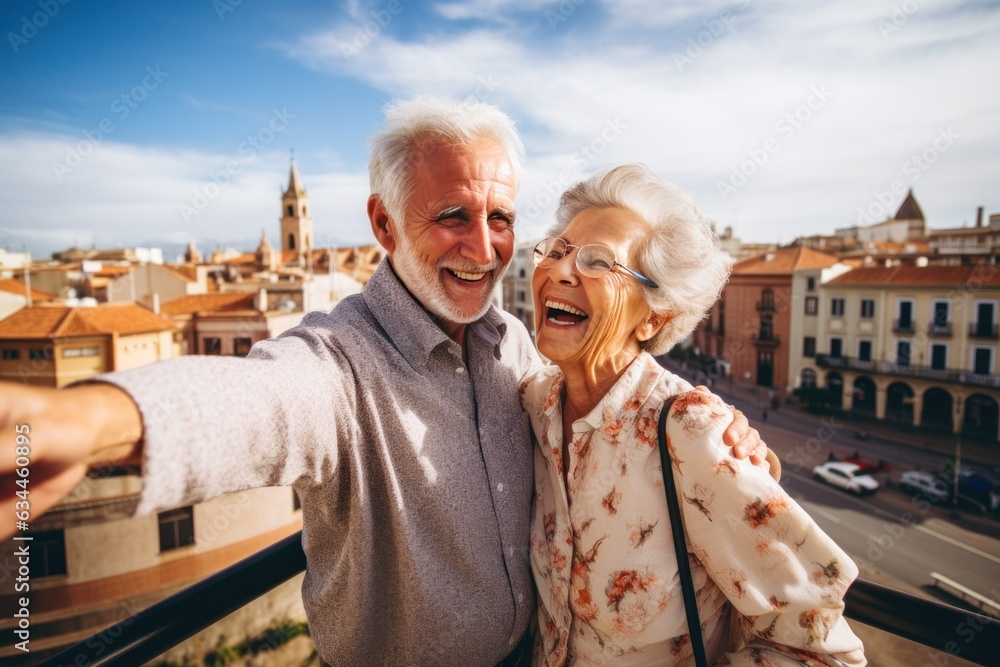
x=410 y=327
x=637 y=382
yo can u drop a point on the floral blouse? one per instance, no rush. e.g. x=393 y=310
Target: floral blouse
x=602 y=549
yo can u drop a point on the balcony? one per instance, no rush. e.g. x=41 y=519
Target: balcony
x=941 y=330
x=912 y=371
x=150 y=633
x=766 y=339
x=984 y=330
x=903 y=326
x=766 y=306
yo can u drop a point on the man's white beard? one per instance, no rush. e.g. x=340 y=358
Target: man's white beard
x=424 y=283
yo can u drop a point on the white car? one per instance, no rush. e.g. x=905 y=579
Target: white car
x=847 y=476
x=925 y=484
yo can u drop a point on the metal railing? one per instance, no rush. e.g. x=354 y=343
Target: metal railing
x=154 y=631
x=984 y=330
x=910 y=370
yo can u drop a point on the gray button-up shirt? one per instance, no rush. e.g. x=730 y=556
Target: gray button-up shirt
x=413 y=468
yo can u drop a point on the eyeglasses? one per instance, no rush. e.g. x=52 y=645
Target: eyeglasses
x=592 y=260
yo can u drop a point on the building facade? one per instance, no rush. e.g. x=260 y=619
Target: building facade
x=750 y=326
x=913 y=345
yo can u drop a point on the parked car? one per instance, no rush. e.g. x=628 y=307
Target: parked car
x=925 y=484
x=940 y=489
x=847 y=476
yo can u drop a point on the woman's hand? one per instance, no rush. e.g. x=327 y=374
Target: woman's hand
x=745 y=441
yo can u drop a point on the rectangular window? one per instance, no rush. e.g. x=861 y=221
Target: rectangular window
x=867 y=308
x=212 y=346
x=940 y=314
x=37 y=354
x=241 y=347
x=939 y=357
x=809 y=347
x=11 y=355
x=810 y=284
x=71 y=352
x=837 y=307
x=984 y=319
x=906 y=315
x=812 y=305
x=176 y=528
x=903 y=352
x=48 y=554
x=836 y=348
x=981 y=358
x=864 y=350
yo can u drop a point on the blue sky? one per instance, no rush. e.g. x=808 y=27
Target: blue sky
x=781 y=117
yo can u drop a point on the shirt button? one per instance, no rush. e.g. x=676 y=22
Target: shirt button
x=500 y=487
x=460 y=371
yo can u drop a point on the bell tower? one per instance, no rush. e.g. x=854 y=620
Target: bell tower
x=296 y=225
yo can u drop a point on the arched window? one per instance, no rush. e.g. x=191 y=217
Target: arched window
x=291 y=241
x=291 y=210
x=305 y=211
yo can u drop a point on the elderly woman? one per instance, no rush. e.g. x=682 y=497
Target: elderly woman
x=631 y=267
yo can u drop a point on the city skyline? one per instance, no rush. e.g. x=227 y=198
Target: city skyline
x=127 y=124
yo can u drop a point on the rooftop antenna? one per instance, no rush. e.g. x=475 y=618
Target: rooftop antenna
x=27 y=276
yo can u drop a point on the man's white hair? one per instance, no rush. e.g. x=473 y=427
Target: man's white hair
x=681 y=253
x=413 y=125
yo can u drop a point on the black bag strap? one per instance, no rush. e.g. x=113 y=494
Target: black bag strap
x=680 y=543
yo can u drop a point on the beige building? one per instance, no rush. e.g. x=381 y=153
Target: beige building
x=228 y=324
x=15 y=295
x=152 y=284
x=53 y=346
x=915 y=345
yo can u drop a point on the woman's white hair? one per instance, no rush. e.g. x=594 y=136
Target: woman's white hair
x=412 y=125
x=681 y=254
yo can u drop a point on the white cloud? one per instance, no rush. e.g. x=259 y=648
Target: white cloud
x=889 y=92
x=123 y=195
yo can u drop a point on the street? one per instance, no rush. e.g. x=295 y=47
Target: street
x=896 y=539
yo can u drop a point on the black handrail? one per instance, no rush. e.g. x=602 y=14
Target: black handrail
x=968 y=635
x=155 y=630
x=152 y=632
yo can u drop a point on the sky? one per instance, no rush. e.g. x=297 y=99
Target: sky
x=139 y=123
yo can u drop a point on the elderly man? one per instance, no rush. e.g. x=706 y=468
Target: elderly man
x=396 y=416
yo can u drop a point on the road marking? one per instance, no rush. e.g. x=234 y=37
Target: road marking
x=895 y=517
x=828 y=515
x=963 y=545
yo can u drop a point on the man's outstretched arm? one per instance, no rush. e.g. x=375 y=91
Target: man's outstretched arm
x=61 y=433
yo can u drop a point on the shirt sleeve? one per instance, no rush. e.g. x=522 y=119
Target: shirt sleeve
x=213 y=425
x=782 y=573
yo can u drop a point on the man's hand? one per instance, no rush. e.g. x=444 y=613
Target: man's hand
x=746 y=442
x=64 y=431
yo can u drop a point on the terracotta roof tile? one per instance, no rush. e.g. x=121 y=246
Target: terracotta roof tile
x=70 y=321
x=981 y=275
x=188 y=273
x=207 y=303
x=17 y=287
x=784 y=261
